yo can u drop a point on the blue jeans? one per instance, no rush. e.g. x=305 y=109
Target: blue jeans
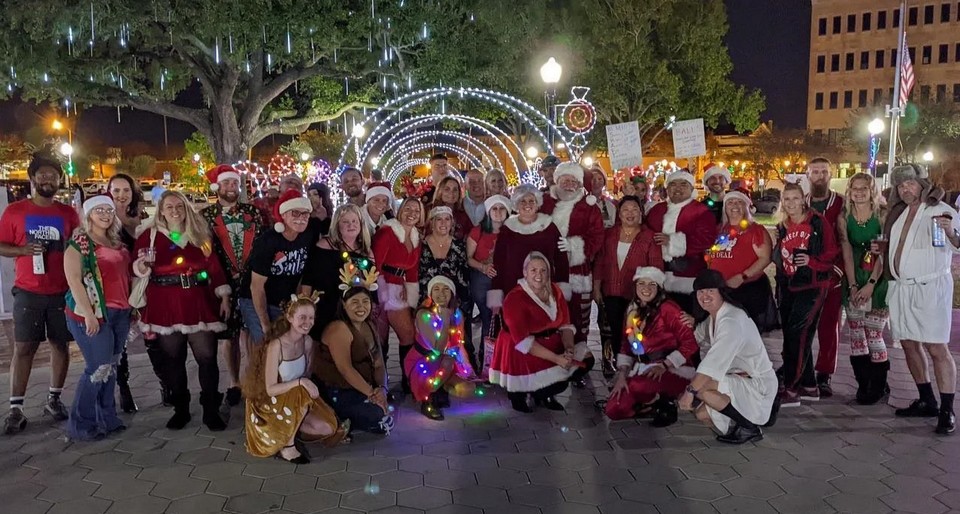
x=480 y=283
x=94 y=411
x=351 y=404
x=252 y=321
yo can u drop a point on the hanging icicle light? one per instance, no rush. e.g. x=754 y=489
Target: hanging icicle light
x=216 y=51
x=289 y=41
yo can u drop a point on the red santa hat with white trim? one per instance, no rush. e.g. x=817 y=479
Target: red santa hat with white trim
x=290 y=199
x=568 y=168
x=377 y=189
x=713 y=170
x=220 y=173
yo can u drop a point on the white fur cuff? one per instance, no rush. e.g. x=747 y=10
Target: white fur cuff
x=581 y=284
x=136 y=271
x=676 y=284
x=494 y=298
x=413 y=293
x=566 y=290
x=223 y=291
x=677 y=359
x=524 y=345
x=677 y=247
x=624 y=360
x=577 y=253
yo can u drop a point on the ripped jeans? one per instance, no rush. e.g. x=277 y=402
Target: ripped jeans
x=94 y=411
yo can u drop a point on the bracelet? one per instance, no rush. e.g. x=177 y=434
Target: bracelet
x=692 y=391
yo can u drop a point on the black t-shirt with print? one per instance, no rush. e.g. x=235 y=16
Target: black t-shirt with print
x=281 y=261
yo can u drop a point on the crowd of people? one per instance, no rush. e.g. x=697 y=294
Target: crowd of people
x=311 y=293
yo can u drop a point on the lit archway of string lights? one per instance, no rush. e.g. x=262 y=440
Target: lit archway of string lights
x=400 y=140
x=510 y=148
x=393 y=169
x=384 y=118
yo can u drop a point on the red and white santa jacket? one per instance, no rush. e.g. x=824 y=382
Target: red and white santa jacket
x=396 y=264
x=692 y=229
x=579 y=220
x=665 y=338
x=515 y=242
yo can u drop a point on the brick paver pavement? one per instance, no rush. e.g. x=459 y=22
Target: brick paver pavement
x=832 y=456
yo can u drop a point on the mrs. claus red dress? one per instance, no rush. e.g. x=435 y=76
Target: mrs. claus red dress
x=526 y=319
x=172 y=308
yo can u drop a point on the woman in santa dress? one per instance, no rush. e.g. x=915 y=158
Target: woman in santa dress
x=396 y=250
x=525 y=232
x=187 y=300
x=535 y=353
x=655 y=361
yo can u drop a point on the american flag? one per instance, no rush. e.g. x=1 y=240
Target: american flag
x=907 y=80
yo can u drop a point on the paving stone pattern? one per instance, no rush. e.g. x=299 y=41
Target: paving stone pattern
x=486 y=458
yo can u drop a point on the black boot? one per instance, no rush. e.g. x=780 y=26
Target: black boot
x=549 y=402
x=430 y=410
x=441 y=398
x=181 y=410
x=405 y=380
x=878 y=388
x=519 y=402
x=156 y=361
x=666 y=413
x=861 y=372
x=211 y=411
x=127 y=404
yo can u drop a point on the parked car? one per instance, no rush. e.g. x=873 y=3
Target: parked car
x=769 y=202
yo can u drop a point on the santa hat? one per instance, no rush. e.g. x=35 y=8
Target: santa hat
x=219 y=173
x=650 y=273
x=440 y=210
x=291 y=199
x=440 y=279
x=524 y=190
x=737 y=195
x=568 y=168
x=713 y=170
x=96 y=201
x=681 y=175
x=377 y=189
x=496 y=200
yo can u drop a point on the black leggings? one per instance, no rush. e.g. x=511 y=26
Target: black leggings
x=174 y=351
x=799 y=314
x=615 y=309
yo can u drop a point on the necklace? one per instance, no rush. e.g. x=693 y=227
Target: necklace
x=861 y=222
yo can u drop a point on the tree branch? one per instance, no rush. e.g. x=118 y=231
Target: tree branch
x=297 y=125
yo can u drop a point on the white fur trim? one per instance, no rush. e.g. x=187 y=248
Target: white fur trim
x=737 y=195
x=550 y=307
x=227 y=175
x=496 y=200
x=677 y=359
x=300 y=202
x=525 y=344
x=278 y=226
x=625 y=360
x=214 y=187
x=401 y=233
x=538 y=225
x=389 y=295
x=676 y=284
x=440 y=279
x=650 y=273
x=440 y=210
x=681 y=175
x=576 y=252
x=523 y=190
x=591 y=200
x=568 y=327
x=677 y=247
x=715 y=170
x=223 y=291
x=96 y=201
x=532 y=382
x=217 y=326
x=413 y=293
x=147 y=274
x=562 y=212
x=580 y=351
x=687 y=372
x=376 y=191
x=581 y=284
x=670 y=218
x=568 y=168
x=566 y=290
x=494 y=298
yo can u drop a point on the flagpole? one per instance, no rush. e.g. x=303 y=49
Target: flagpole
x=894 y=111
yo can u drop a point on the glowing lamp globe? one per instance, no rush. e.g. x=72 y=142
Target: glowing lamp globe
x=532 y=152
x=875 y=127
x=66 y=149
x=359 y=131
x=551 y=71
x=927 y=156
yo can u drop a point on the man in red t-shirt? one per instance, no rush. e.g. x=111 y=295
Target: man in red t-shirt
x=35 y=232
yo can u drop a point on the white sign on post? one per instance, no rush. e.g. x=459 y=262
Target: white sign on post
x=623 y=145
x=688 y=139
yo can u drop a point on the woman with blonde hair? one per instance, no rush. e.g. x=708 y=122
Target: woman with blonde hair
x=865 y=297
x=97 y=267
x=187 y=299
x=495 y=182
x=282 y=401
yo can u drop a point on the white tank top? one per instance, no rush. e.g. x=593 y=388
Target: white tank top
x=291 y=370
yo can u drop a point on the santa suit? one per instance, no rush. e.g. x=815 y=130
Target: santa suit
x=692 y=230
x=579 y=220
x=399 y=267
x=920 y=295
x=665 y=339
x=515 y=242
x=527 y=319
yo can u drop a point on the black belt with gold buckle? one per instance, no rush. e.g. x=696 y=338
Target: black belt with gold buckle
x=184 y=281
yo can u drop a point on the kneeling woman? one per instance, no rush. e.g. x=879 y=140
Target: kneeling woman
x=735 y=387
x=535 y=354
x=655 y=359
x=440 y=361
x=350 y=361
x=281 y=399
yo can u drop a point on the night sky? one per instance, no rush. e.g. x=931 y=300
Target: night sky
x=768 y=42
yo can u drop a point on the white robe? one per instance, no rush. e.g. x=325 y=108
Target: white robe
x=733 y=345
x=920 y=296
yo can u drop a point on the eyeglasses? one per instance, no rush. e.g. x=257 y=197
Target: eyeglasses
x=104 y=211
x=299 y=214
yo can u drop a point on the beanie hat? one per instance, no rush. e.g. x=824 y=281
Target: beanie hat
x=95 y=201
x=650 y=273
x=219 y=173
x=713 y=170
x=568 y=168
x=289 y=200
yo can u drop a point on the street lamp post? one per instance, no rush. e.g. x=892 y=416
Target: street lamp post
x=196 y=160
x=67 y=150
x=875 y=127
x=550 y=72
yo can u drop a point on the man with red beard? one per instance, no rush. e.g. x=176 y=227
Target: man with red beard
x=234 y=225
x=685 y=229
x=577 y=217
x=830 y=204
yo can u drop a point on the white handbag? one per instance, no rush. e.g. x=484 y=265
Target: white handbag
x=138 y=290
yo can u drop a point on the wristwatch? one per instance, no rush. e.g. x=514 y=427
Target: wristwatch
x=692 y=391
x=872 y=281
